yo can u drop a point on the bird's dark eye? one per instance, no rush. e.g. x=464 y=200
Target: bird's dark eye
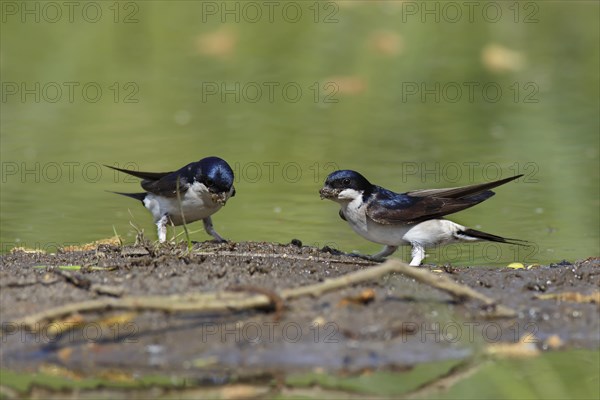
x=346 y=181
x=209 y=182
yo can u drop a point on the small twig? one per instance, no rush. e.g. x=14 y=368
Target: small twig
x=118 y=237
x=18 y=284
x=84 y=283
x=139 y=233
x=183 y=232
x=275 y=255
x=210 y=302
x=115 y=291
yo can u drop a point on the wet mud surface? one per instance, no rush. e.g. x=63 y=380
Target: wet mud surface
x=392 y=322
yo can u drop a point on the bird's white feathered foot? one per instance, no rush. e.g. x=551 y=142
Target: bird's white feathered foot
x=161 y=224
x=418 y=254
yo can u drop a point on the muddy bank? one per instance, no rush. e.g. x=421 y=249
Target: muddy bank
x=392 y=322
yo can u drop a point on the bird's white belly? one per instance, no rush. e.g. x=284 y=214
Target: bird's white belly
x=195 y=205
x=392 y=235
x=427 y=233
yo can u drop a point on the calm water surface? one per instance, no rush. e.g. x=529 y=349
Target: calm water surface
x=408 y=101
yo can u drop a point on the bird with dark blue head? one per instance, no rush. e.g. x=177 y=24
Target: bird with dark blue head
x=193 y=192
x=411 y=218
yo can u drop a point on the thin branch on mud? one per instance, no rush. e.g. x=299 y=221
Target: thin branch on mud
x=115 y=291
x=236 y=301
x=25 y=283
x=210 y=302
x=84 y=283
x=286 y=256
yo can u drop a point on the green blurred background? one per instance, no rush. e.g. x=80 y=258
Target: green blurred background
x=411 y=94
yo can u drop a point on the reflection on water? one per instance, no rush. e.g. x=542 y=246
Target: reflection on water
x=409 y=101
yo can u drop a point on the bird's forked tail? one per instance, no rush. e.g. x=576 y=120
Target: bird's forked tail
x=473 y=234
x=137 y=196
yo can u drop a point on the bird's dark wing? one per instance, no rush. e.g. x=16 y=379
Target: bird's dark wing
x=460 y=192
x=167 y=185
x=149 y=176
x=161 y=183
x=386 y=207
x=406 y=209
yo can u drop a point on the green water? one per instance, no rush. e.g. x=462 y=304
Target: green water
x=557 y=375
x=408 y=97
